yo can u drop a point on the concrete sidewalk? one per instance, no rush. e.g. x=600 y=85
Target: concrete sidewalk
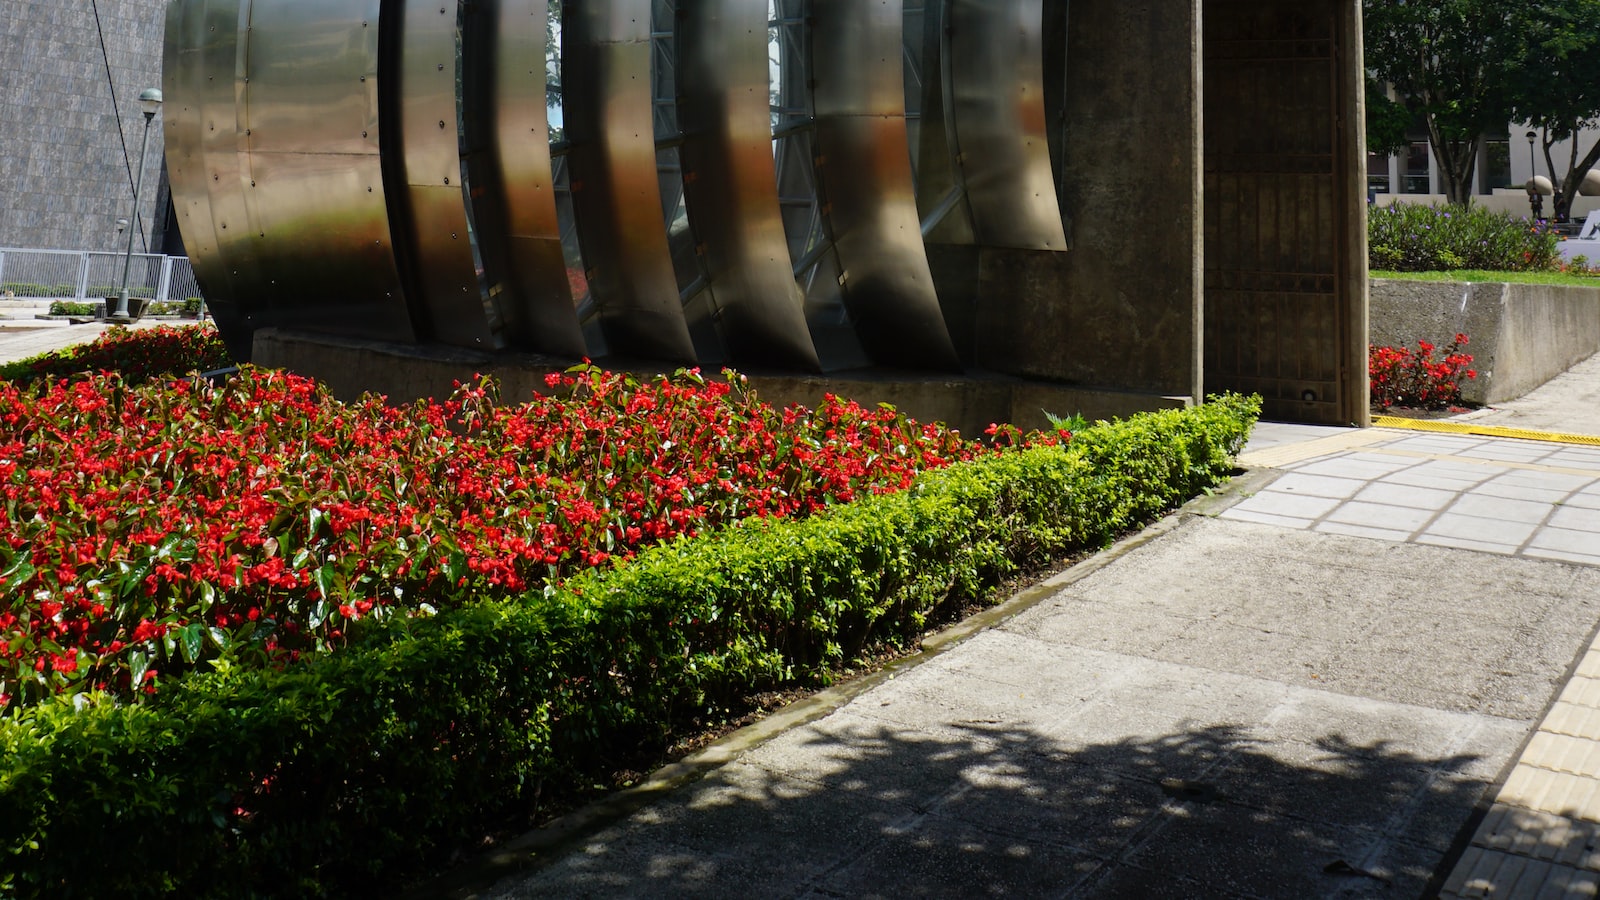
x=1311 y=685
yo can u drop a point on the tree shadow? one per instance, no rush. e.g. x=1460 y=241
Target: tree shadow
x=855 y=807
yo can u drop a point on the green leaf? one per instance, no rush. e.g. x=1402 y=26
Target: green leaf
x=14 y=577
x=193 y=638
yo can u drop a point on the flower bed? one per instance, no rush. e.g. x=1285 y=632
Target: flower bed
x=137 y=354
x=149 y=531
x=1414 y=378
x=385 y=757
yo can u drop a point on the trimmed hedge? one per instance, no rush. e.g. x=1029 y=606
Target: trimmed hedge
x=378 y=761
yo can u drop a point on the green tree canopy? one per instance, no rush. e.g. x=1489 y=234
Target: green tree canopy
x=1557 y=88
x=1449 y=61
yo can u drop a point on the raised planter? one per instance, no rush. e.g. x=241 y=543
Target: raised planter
x=1522 y=335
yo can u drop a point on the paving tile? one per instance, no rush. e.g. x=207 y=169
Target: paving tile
x=1554 y=792
x=1585 y=499
x=1506 y=451
x=1481 y=529
x=1582 y=690
x=1407 y=495
x=1514 y=491
x=1563 y=753
x=1381 y=516
x=1454 y=484
x=1559 y=481
x=1435 y=540
x=1437 y=444
x=1578 y=519
x=1362 y=467
x=1572 y=719
x=1566 y=540
x=1317 y=485
x=1589 y=666
x=1582 y=559
x=1265 y=519
x=1501 y=508
x=1381 y=534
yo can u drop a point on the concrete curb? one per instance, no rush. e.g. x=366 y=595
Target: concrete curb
x=543 y=846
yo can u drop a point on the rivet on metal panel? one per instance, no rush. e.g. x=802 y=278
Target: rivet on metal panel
x=441 y=123
x=363 y=134
x=363 y=79
x=441 y=67
x=447 y=179
x=452 y=235
x=252 y=183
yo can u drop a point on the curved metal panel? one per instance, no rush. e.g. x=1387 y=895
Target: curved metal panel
x=996 y=89
x=731 y=186
x=507 y=130
x=202 y=41
x=279 y=181
x=616 y=198
x=863 y=162
x=454 y=298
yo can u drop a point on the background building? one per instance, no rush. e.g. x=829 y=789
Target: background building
x=70 y=124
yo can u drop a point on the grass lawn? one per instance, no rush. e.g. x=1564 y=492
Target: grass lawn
x=1480 y=275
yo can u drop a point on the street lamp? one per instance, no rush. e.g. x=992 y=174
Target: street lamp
x=1535 y=199
x=150 y=103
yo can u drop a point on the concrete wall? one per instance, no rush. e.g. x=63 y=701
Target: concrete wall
x=66 y=155
x=1520 y=335
x=1123 y=306
x=351 y=367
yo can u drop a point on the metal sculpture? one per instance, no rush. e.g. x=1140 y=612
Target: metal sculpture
x=675 y=180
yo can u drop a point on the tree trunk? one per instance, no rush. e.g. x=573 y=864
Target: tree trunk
x=1458 y=160
x=1575 y=173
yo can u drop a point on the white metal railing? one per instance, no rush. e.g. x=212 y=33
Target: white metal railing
x=94 y=275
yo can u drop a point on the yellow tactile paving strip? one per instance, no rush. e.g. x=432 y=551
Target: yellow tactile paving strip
x=1524 y=434
x=1541 y=838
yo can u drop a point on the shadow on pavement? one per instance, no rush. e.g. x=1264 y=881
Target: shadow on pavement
x=977 y=810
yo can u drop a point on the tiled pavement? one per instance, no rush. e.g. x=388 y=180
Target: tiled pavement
x=1534 y=499
x=1522 y=498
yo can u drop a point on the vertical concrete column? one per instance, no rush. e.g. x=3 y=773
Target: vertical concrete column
x=1352 y=136
x=1123 y=308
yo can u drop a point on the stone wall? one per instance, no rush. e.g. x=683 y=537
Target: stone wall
x=1520 y=335
x=70 y=124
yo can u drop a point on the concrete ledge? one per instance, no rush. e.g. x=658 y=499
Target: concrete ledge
x=1522 y=335
x=352 y=366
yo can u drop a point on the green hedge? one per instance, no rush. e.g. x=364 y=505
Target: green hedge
x=380 y=760
x=1410 y=237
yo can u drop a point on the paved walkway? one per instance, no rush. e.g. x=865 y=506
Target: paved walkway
x=1311 y=685
x=23 y=335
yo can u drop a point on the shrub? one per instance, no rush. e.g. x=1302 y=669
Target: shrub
x=136 y=354
x=1414 y=378
x=73 y=308
x=380 y=759
x=1415 y=238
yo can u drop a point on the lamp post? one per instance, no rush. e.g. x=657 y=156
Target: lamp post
x=1535 y=200
x=150 y=103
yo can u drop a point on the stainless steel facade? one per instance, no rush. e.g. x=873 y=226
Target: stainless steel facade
x=687 y=181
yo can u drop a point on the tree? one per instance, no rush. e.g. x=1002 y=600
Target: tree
x=1448 y=60
x=1387 y=122
x=1557 y=88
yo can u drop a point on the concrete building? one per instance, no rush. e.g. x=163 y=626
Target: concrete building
x=1505 y=163
x=70 y=127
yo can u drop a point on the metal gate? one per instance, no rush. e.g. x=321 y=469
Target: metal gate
x=1280 y=306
